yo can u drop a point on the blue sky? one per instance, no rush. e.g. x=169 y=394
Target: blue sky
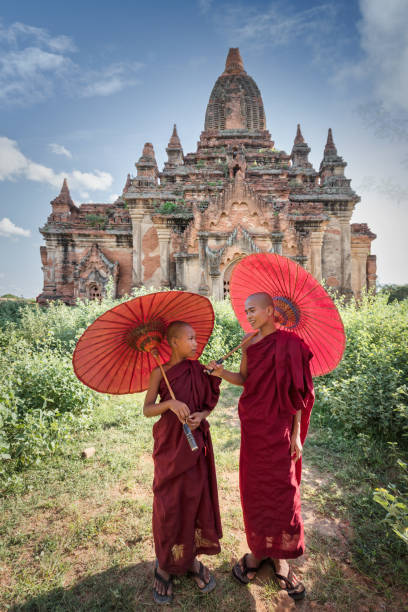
x=84 y=84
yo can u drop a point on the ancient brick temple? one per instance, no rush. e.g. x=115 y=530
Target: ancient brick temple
x=188 y=225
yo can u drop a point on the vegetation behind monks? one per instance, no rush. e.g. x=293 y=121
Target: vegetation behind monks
x=359 y=430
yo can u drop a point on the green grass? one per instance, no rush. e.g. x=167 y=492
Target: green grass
x=76 y=534
x=358 y=466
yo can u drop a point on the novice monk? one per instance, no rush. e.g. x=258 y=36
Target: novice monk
x=186 y=516
x=274 y=410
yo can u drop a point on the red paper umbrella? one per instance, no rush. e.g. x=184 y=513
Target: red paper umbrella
x=301 y=305
x=119 y=350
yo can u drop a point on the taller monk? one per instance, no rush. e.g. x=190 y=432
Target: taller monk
x=274 y=411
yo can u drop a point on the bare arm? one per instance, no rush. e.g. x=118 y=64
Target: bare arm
x=150 y=408
x=235 y=378
x=295 y=443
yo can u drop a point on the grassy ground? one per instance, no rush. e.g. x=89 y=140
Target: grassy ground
x=78 y=537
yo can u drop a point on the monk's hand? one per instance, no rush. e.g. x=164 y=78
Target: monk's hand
x=195 y=419
x=180 y=409
x=295 y=446
x=215 y=369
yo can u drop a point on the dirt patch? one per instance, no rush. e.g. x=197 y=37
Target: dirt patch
x=230 y=414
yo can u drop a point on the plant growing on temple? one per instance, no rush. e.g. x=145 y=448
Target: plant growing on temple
x=293 y=184
x=167 y=207
x=97 y=221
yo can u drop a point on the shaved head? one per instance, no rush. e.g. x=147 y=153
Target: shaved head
x=262 y=299
x=175 y=329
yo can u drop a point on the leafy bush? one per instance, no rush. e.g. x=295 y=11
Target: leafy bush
x=59 y=325
x=226 y=335
x=395 y=502
x=11 y=310
x=364 y=401
x=367 y=393
x=41 y=403
x=395 y=292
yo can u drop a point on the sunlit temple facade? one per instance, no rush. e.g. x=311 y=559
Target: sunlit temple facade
x=187 y=225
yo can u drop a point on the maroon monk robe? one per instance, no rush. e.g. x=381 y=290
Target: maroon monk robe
x=186 y=515
x=278 y=384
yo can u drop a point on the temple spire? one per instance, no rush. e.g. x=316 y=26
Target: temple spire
x=174 y=150
x=234 y=63
x=300 y=151
x=147 y=165
x=63 y=201
x=299 y=137
x=330 y=148
x=127 y=184
x=174 y=141
x=64 y=196
x=332 y=164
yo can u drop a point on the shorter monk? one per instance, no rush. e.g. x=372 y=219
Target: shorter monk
x=186 y=515
x=274 y=411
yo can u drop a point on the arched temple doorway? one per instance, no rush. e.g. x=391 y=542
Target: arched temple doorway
x=94 y=291
x=227 y=275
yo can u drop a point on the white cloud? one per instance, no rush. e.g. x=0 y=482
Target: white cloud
x=12 y=161
x=96 y=181
x=59 y=150
x=384 y=62
x=113 y=197
x=282 y=25
x=204 y=6
x=35 y=65
x=384 y=39
x=14 y=164
x=112 y=79
x=20 y=31
x=8 y=228
x=387 y=187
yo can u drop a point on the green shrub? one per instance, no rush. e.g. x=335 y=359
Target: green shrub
x=41 y=404
x=395 y=292
x=395 y=501
x=367 y=393
x=59 y=325
x=11 y=310
x=226 y=335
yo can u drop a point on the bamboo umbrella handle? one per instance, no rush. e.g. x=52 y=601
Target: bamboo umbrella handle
x=240 y=345
x=187 y=431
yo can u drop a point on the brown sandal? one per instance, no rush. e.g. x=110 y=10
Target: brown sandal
x=166 y=598
x=208 y=586
x=292 y=588
x=242 y=574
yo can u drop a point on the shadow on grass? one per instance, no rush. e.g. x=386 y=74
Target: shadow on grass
x=129 y=589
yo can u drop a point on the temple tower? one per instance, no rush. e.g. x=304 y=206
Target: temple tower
x=235 y=101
